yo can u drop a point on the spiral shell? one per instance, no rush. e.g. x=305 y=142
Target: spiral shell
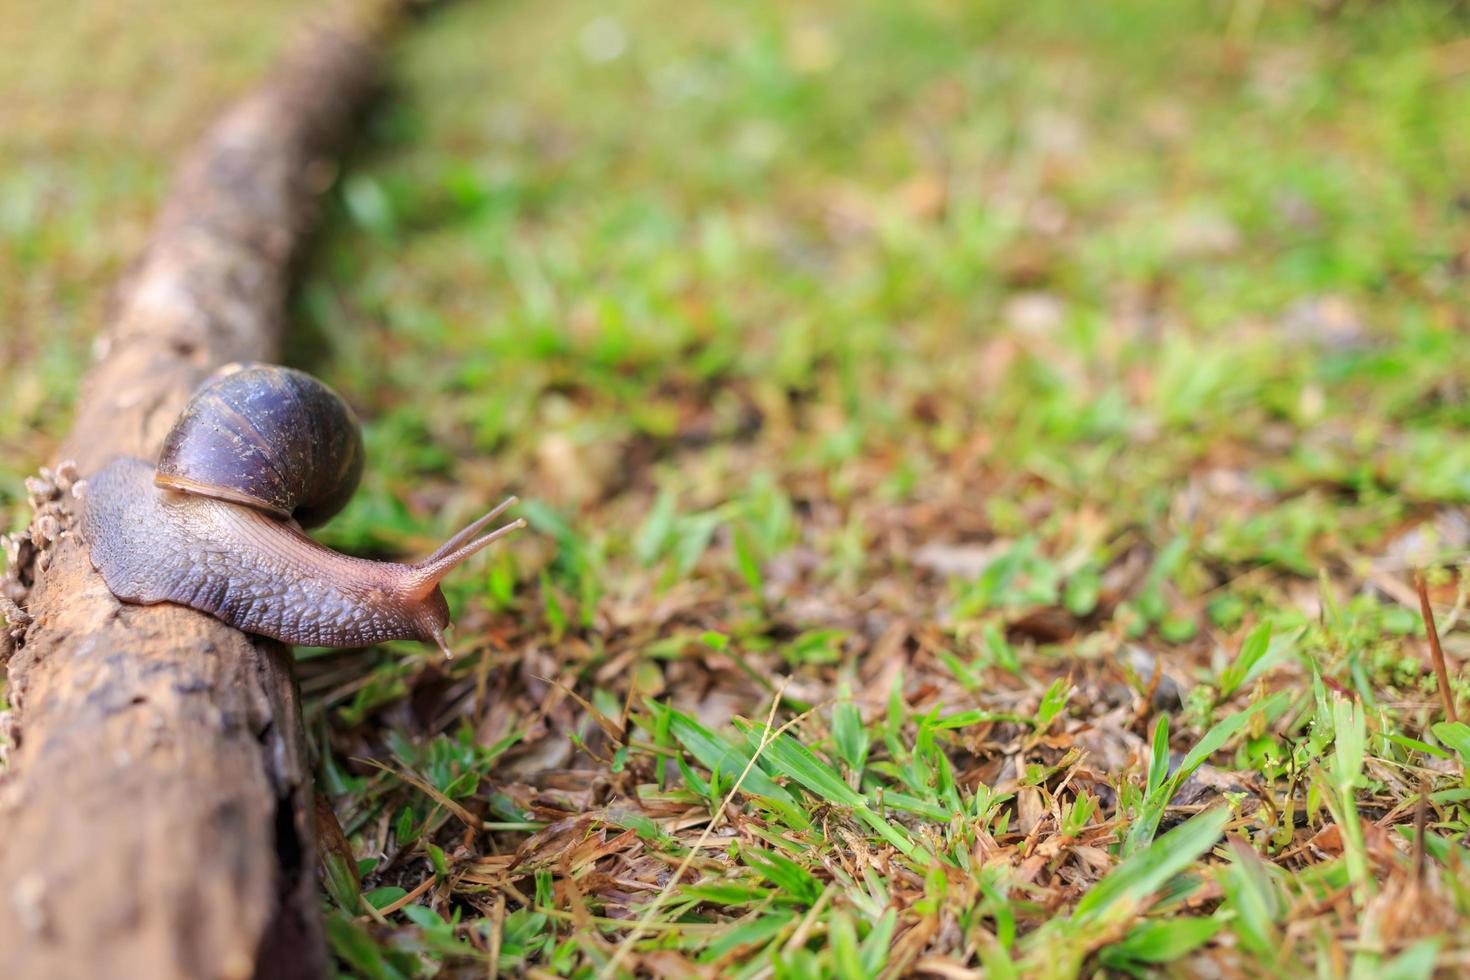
x=269 y=437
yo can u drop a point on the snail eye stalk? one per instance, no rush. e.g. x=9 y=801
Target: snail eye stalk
x=427 y=573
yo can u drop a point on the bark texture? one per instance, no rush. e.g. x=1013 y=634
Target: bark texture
x=156 y=815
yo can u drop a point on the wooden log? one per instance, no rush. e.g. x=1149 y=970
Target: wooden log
x=156 y=815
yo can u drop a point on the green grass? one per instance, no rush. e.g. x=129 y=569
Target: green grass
x=1035 y=413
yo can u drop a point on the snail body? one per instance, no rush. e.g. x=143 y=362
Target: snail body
x=216 y=526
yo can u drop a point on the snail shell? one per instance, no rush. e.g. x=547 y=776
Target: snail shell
x=270 y=437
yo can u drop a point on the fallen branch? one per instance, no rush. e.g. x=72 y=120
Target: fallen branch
x=156 y=816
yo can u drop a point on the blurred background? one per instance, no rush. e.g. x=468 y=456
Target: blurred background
x=869 y=247
x=1015 y=339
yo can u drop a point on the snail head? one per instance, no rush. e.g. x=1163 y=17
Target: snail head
x=421 y=586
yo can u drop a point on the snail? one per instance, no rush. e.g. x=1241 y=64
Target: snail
x=258 y=453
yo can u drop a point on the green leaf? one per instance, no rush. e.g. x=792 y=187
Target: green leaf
x=1082 y=590
x=911 y=804
x=1252 y=650
x=727 y=893
x=369 y=204
x=692 y=779
x=850 y=735
x=842 y=937
x=1350 y=739
x=997 y=903
x=1160 y=941
x=657 y=528
x=1151 y=811
x=1252 y=896
x=790 y=758
x=357 y=948
x=1119 y=895
x=437 y=858
x=1000 y=650
x=1415 y=963
x=525 y=933
x=1158 y=769
x=997 y=961
x=644 y=827
x=745 y=934
x=897 y=712
x=1418 y=746
x=782 y=872
x=1455 y=734
x=342 y=880
x=794 y=760
x=380 y=898
x=405 y=830
x=994 y=641
x=425 y=917
x=874 y=953
x=714 y=753
x=974 y=716
x=694 y=537
x=1052 y=703
x=1221 y=732
x=747 y=562
x=1177 y=629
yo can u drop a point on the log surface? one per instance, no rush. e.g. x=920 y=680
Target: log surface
x=155 y=816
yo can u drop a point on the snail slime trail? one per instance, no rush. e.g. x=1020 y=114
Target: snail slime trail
x=259 y=452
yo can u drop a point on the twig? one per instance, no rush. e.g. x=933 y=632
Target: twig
x=1436 y=652
x=409 y=897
